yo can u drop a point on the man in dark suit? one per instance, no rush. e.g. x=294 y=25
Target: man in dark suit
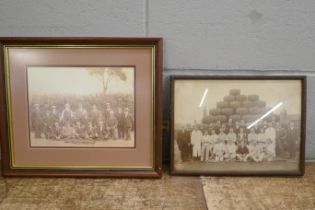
x=120 y=126
x=95 y=116
x=81 y=114
x=128 y=123
x=54 y=115
x=66 y=115
x=37 y=121
x=111 y=125
x=292 y=139
x=107 y=111
x=281 y=136
x=181 y=142
x=48 y=123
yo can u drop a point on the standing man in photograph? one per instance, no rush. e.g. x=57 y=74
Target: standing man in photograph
x=241 y=136
x=205 y=146
x=66 y=115
x=237 y=127
x=220 y=147
x=281 y=136
x=121 y=121
x=180 y=139
x=217 y=126
x=186 y=144
x=195 y=141
x=252 y=136
x=37 y=121
x=292 y=138
x=95 y=116
x=270 y=135
x=213 y=139
x=48 y=123
x=81 y=115
x=54 y=115
x=111 y=125
x=231 y=136
x=231 y=145
x=107 y=111
x=230 y=124
x=127 y=124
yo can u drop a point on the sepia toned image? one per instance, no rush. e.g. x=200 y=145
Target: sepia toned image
x=81 y=106
x=237 y=126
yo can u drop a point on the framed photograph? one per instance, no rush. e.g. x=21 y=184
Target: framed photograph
x=81 y=106
x=238 y=125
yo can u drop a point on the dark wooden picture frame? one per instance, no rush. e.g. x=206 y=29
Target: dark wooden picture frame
x=207 y=170
x=152 y=140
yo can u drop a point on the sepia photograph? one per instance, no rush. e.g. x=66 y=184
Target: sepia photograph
x=226 y=126
x=81 y=106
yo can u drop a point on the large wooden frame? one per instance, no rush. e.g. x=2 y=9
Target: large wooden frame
x=186 y=165
x=143 y=54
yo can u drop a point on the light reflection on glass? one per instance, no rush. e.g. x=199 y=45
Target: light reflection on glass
x=203 y=97
x=265 y=115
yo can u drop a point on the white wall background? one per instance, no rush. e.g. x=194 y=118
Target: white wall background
x=199 y=34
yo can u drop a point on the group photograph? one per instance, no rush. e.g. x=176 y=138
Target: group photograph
x=81 y=106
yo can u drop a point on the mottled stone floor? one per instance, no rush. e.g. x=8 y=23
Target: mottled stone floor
x=261 y=193
x=84 y=194
x=167 y=193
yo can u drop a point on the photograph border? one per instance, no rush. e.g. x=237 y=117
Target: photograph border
x=205 y=76
x=156 y=46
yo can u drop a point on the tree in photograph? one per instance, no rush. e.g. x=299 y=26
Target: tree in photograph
x=105 y=75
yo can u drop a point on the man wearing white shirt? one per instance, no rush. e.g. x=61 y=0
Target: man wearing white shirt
x=261 y=144
x=231 y=136
x=220 y=147
x=252 y=136
x=254 y=150
x=231 y=145
x=195 y=141
x=205 y=146
x=241 y=136
x=230 y=150
x=270 y=135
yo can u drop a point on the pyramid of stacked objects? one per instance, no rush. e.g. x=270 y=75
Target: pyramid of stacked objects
x=237 y=107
